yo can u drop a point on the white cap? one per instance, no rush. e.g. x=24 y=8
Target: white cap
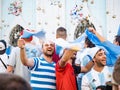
x=2 y=46
x=92 y=51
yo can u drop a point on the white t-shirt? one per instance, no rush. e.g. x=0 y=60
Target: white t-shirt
x=19 y=68
x=15 y=61
x=80 y=55
x=4 y=58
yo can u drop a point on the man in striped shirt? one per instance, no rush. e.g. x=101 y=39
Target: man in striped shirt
x=100 y=73
x=42 y=68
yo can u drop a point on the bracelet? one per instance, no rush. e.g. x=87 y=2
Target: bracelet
x=22 y=48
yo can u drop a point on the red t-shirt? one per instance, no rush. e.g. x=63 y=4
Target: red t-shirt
x=65 y=78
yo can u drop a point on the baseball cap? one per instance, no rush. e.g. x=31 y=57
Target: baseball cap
x=2 y=46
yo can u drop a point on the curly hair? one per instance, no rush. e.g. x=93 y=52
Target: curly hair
x=15 y=34
x=83 y=24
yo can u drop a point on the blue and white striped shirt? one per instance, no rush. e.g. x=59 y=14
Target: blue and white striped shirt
x=43 y=75
x=93 y=78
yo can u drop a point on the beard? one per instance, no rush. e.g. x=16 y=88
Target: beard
x=101 y=64
x=48 y=54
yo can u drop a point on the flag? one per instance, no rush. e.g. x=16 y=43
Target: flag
x=93 y=38
x=76 y=45
x=80 y=39
x=66 y=45
x=26 y=34
x=79 y=42
x=112 y=50
x=39 y=34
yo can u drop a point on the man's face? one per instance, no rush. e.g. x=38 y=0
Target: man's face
x=48 y=48
x=100 y=58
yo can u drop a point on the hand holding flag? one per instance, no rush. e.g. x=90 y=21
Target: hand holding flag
x=28 y=34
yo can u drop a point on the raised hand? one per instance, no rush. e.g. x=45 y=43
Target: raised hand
x=21 y=43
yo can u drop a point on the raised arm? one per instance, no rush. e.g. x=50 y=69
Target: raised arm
x=88 y=67
x=24 y=59
x=101 y=38
x=66 y=56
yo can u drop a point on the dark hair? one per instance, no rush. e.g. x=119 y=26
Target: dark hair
x=102 y=87
x=61 y=29
x=89 y=43
x=117 y=39
x=13 y=82
x=61 y=33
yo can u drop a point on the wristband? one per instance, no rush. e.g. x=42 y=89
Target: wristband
x=22 y=48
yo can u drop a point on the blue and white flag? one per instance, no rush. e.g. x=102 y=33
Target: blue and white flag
x=62 y=44
x=80 y=39
x=112 y=50
x=66 y=45
x=39 y=34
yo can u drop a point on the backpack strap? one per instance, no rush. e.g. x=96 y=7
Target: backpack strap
x=3 y=63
